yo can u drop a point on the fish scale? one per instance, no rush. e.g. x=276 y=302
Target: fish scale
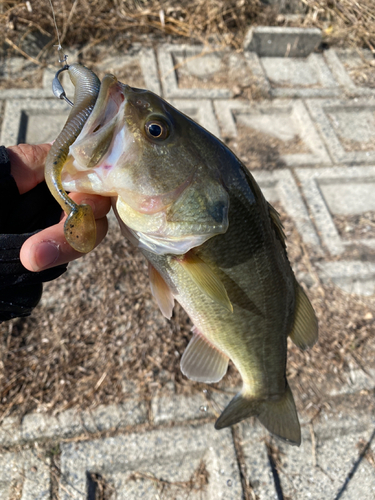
x=213 y=243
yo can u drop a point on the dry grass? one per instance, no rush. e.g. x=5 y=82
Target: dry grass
x=344 y=22
x=86 y=23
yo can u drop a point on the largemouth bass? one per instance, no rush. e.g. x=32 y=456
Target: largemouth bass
x=212 y=241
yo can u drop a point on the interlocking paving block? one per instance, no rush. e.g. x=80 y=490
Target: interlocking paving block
x=269 y=41
x=200 y=110
x=332 y=467
x=190 y=72
x=10 y=431
x=33 y=120
x=12 y=68
x=137 y=68
x=347 y=127
x=258 y=469
x=118 y=416
x=279 y=185
x=71 y=423
x=177 y=408
x=354 y=381
x=352 y=70
x=338 y=191
x=142 y=465
x=351 y=276
x=300 y=77
x=24 y=476
x=286 y=121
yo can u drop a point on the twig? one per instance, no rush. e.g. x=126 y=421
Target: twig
x=16 y=48
x=313 y=444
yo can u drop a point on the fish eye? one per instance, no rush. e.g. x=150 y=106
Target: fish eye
x=156 y=129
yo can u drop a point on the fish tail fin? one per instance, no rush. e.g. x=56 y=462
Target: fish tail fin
x=278 y=416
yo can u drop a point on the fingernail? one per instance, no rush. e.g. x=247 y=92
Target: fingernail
x=45 y=254
x=89 y=202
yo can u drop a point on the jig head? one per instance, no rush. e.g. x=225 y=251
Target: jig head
x=58 y=89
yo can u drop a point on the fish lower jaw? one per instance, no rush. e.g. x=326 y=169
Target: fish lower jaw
x=162 y=245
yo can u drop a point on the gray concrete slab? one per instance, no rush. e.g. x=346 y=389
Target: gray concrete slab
x=272 y=41
x=72 y=423
x=132 y=465
x=258 y=469
x=126 y=66
x=198 y=72
x=352 y=276
x=347 y=127
x=300 y=77
x=328 y=464
x=24 y=476
x=33 y=120
x=344 y=63
x=337 y=190
x=268 y=118
x=178 y=408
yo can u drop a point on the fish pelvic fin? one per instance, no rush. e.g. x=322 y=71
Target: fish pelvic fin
x=161 y=291
x=305 y=327
x=279 y=416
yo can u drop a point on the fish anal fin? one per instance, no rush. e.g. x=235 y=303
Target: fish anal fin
x=279 y=416
x=205 y=279
x=275 y=217
x=202 y=361
x=305 y=327
x=161 y=291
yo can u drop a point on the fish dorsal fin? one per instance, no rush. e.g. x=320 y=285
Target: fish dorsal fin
x=275 y=217
x=202 y=362
x=305 y=327
x=205 y=279
x=161 y=291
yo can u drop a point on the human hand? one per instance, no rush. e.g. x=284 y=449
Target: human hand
x=49 y=248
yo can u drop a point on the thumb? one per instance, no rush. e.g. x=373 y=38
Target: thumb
x=27 y=164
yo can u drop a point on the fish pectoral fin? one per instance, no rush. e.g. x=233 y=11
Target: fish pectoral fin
x=205 y=279
x=161 y=291
x=305 y=327
x=279 y=416
x=202 y=361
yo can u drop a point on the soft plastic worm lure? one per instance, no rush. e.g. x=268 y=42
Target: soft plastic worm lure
x=80 y=226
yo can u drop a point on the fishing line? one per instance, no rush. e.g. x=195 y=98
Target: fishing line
x=62 y=58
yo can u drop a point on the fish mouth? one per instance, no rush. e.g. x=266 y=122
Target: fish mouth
x=96 y=137
x=101 y=158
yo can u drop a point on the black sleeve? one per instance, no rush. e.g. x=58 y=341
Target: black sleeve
x=20 y=217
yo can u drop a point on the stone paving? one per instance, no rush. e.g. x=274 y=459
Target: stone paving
x=322 y=116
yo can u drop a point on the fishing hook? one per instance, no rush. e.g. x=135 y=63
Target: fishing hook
x=58 y=89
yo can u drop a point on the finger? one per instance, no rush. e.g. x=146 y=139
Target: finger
x=49 y=248
x=27 y=164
